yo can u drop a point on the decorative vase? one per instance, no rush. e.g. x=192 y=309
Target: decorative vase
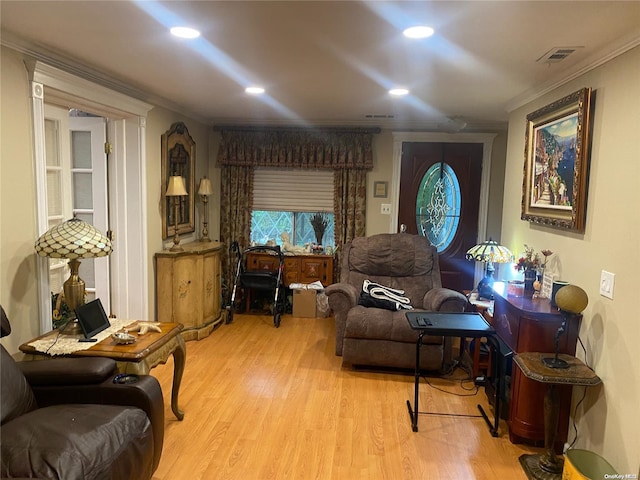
x=529 y=277
x=319 y=234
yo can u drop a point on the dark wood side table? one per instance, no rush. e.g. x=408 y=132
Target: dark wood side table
x=149 y=350
x=548 y=465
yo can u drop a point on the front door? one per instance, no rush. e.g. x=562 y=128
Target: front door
x=439 y=198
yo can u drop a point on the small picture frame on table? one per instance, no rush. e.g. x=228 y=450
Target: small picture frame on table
x=380 y=189
x=547 y=285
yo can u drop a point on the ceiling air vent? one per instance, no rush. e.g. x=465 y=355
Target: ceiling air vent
x=557 y=54
x=377 y=116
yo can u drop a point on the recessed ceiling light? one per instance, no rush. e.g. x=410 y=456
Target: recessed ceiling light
x=254 y=90
x=419 y=31
x=398 y=92
x=185 y=32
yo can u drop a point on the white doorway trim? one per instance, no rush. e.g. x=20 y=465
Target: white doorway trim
x=127 y=182
x=486 y=139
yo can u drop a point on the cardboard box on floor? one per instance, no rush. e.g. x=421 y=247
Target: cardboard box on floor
x=304 y=303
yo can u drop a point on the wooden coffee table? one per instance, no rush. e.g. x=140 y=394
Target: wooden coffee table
x=139 y=358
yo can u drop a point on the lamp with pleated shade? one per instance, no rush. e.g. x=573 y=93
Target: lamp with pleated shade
x=176 y=189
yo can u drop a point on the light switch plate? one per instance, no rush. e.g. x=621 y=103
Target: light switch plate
x=607 y=280
x=385 y=209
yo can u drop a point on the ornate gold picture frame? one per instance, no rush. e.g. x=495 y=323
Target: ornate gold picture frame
x=178 y=158
x=556 y=165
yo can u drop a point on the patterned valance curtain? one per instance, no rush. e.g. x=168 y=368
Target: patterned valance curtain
x=329 y=148
x=348 y=152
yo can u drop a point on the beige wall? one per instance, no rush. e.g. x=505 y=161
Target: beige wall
x=159 y=120
x=608 y=421
x=18 y=226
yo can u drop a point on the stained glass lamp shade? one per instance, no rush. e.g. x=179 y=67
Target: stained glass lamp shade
x=73 y=239
x=488 y=252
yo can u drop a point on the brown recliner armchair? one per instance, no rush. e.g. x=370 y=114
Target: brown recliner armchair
x=381 y=337
x=67 y=419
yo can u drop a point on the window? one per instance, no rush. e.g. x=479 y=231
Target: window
x=285 y=199
x=268 y=225
x=438 y=205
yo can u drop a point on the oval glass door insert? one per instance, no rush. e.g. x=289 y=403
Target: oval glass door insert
x=438 y=205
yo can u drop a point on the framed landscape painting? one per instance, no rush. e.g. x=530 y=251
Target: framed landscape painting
x=556 y=164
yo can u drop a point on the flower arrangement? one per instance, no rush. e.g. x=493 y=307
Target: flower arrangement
x=530 y=260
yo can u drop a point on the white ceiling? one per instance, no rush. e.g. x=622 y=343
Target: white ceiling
x=326 y=62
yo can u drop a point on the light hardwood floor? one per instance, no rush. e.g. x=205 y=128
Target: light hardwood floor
x=267 y=403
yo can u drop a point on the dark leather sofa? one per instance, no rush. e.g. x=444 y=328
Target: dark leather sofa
x=66 y=419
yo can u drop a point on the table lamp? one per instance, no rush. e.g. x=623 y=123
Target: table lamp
x=488 y=252
x=73 y=239
x=204 y=191
x=571 y=300
x=176 y=189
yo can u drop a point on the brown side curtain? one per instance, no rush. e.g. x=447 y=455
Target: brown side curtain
x=236 y=197
x=350 y=208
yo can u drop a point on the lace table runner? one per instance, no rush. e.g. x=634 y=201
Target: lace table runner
x=62 y=344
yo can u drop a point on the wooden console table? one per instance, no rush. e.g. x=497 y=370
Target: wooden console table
x=297 y=268
x=529 y=324
x=189 y=288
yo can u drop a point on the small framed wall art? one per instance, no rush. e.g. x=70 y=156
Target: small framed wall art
x=380 y=189
x=556 y=164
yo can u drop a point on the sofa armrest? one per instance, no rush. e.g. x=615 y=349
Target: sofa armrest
x=145 y=394
x=444 y=300
x=67 y=371
x=342 y=298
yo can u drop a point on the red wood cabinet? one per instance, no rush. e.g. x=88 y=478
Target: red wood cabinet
x=297 y=268
x=530 y=325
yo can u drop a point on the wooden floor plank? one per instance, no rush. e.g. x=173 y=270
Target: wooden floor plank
x=276 y=403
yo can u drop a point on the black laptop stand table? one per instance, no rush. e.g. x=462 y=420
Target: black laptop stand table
x=470 y=325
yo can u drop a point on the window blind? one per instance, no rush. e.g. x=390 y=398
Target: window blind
x=293 y=190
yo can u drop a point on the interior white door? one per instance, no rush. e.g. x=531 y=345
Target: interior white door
x=87 y=137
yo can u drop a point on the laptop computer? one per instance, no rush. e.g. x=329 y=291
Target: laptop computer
x=92 y=318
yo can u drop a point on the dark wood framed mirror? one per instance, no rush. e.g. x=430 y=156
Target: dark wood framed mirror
x=178 y=158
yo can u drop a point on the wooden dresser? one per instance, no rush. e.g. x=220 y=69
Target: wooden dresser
x=297 y=268
x=188 y=288
x=529 y=325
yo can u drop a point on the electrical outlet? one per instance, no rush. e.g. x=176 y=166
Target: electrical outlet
x=385 y=209
x=607 y=279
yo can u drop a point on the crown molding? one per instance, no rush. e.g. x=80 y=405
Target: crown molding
x=622 y=45
x=75 y=67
